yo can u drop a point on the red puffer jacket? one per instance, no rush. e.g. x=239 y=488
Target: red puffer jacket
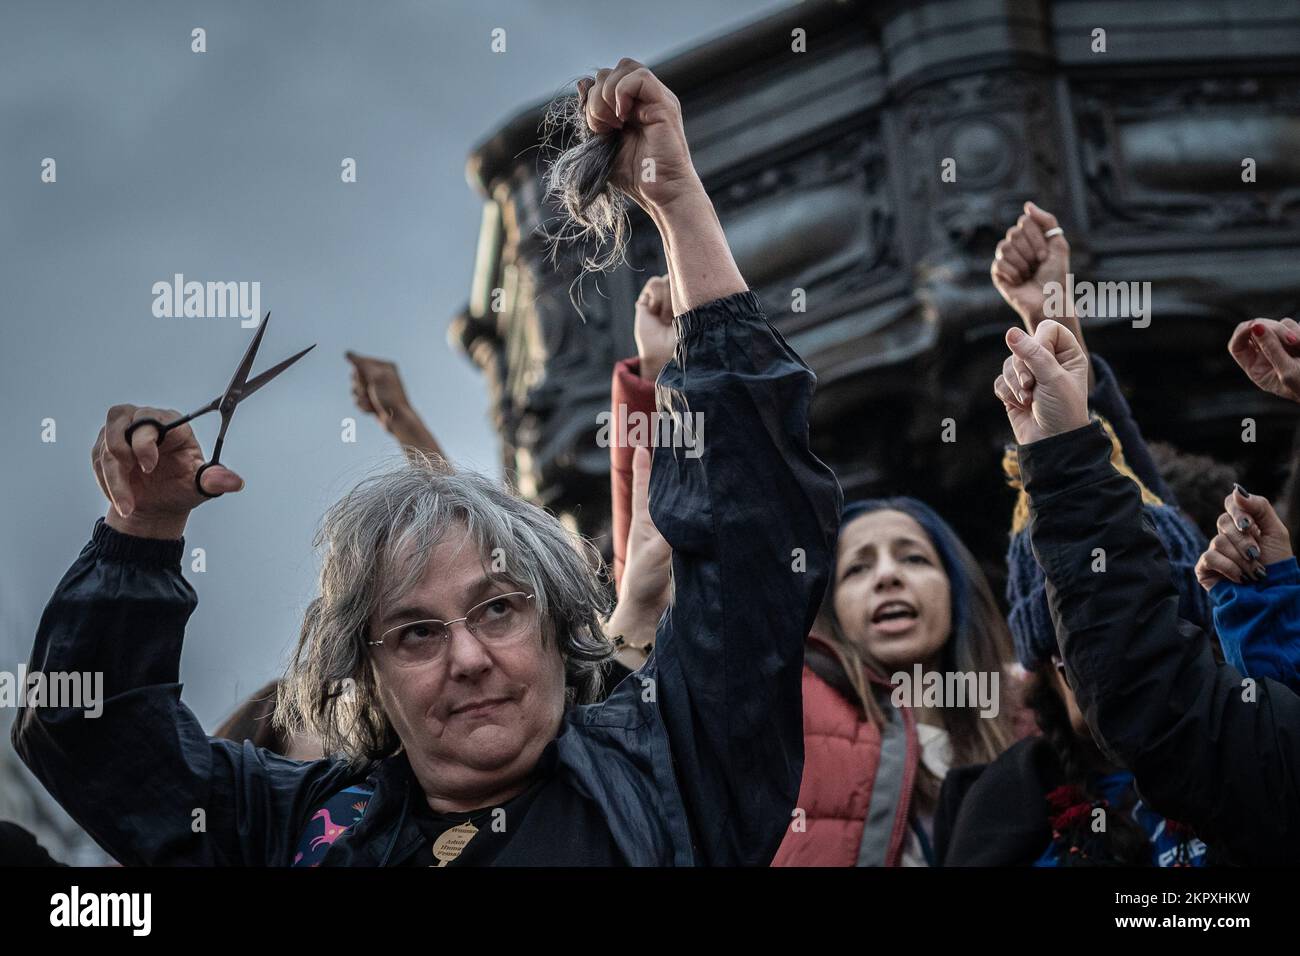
x=857 y=781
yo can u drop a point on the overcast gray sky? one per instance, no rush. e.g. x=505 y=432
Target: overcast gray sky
x=224 y=166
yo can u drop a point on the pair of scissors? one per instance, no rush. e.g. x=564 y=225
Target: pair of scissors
x=240 y=388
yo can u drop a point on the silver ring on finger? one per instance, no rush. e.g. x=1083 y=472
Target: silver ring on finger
x=1054 y=231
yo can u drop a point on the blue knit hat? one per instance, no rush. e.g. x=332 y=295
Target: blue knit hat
x=1032 y=631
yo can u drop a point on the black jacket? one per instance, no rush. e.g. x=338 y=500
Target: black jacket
x=989 y=836
x=1002 y=820
x=693 y=760
x=1205 y=745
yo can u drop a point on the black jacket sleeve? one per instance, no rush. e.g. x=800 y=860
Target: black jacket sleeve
x=141 y=776
x=751 y=515
x=1207 y=747
x=1107 y=400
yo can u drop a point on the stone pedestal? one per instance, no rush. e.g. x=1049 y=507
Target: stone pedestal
x=826 y=168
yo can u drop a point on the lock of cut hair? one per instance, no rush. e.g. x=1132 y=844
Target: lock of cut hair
x=578 y=182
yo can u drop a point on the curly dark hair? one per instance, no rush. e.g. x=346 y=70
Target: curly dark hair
x=1198 y=482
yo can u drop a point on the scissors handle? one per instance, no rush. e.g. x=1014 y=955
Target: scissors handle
x=198 y=480
x=163 y=429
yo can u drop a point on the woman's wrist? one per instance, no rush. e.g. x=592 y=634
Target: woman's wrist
x=700 y=265
x=684 y=201
x=632 y=626
x=1277 y=559
x=168 y=527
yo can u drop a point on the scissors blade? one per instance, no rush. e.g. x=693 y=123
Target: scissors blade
x=212 y=406
x=235 y=390
x=257 y=382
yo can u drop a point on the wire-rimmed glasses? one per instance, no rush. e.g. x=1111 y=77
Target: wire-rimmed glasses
x=501 y=620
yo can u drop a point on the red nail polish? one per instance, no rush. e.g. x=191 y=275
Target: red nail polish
x=1257 y=329
x=1291 y=338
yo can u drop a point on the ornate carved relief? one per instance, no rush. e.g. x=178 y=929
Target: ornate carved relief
x=1166 y=154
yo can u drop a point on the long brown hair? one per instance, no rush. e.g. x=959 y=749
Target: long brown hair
x=979 y=640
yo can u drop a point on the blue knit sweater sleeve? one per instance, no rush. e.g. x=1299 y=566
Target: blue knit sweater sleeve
x=1259 y=624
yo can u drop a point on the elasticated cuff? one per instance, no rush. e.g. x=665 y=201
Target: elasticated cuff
x=1279 y=573
x=1285 y=571
x=116 y=546
x=739 y=305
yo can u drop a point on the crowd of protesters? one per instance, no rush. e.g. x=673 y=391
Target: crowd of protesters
x=464 y=691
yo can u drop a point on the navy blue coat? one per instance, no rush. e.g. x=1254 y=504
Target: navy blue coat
x=694 y=760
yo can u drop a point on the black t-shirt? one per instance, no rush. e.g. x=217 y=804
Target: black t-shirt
x=549 y=824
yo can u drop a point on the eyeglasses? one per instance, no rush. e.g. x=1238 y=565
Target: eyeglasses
x=498 y=622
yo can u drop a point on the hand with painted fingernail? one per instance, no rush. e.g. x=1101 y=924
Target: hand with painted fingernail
x=1268 y=351
x=1250 y=538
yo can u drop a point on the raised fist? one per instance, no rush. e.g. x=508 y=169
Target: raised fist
x=1268 y=351
x=1026 y=261
x=1251 y=537
x=653 y=165
x=1044 y=382
x=655 y=336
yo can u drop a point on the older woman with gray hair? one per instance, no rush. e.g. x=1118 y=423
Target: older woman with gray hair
x=449 y=661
